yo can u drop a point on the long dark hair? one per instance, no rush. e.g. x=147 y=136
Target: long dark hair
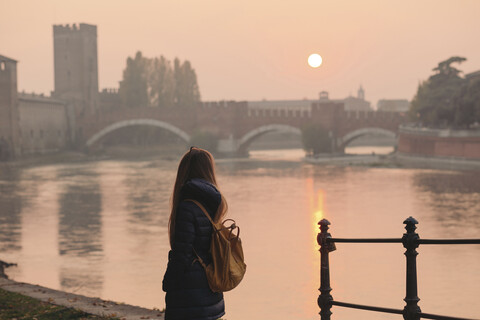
x=196 y=163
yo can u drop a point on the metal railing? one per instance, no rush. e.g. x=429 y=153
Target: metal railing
x=410 y=241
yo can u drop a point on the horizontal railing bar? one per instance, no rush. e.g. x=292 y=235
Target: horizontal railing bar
x=353 y=240
x=363 y=307
x=437 y=317
x=399 y=240
x=448 y=241
x=395 y=311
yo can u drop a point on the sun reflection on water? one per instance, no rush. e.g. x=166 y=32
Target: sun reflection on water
x=316 y=204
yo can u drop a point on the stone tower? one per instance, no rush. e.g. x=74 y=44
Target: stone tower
x=76 y=66
x=9 y=121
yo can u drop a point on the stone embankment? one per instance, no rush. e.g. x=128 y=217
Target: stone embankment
x=351 y=160
x=439 y=148
x=443 y=143
x=442 y=163
x=420 y=148
x=90 y=305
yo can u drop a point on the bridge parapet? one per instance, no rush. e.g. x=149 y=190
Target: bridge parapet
x=281 y=113
x=373 y=115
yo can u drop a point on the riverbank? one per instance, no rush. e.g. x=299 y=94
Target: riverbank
x=34 y=297
x=116 y=153
x=45 y=159
x=441 y=163
x=397 y=160
x=370 y=160
x=18 y=306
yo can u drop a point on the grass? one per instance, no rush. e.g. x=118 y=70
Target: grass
x=17 y=306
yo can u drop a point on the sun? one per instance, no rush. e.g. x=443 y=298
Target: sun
x=315 y=60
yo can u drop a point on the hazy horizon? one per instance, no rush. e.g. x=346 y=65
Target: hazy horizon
x=255 y=51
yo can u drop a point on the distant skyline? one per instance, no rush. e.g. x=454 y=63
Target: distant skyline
x=254 y=50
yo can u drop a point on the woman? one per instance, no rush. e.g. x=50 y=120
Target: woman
x=188 y=295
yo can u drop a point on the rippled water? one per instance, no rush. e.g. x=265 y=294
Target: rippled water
x=100 y=229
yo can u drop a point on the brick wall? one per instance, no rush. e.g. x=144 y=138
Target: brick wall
x=440 y=143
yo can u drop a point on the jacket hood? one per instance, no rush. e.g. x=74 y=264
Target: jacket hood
x=202 y=191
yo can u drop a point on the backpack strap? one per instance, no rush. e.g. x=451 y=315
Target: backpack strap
x=199 y=259
x=232 y=227
x=203 y=209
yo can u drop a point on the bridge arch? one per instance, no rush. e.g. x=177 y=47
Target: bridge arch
x=136 y=122
x=349 y=137
x=245 y=141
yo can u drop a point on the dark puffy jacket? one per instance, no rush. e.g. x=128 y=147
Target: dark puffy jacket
x=188 y=295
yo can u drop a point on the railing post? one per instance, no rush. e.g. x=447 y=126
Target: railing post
x=410 y=242
x=325 y=298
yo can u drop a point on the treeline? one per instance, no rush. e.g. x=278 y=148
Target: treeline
x=446 y=99
x=157 y=82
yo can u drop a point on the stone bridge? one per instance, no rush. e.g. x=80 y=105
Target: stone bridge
x=237 y=126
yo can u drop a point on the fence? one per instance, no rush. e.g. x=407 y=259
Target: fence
x=410 y=241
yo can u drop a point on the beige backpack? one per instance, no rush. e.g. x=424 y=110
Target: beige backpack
x=228 y=267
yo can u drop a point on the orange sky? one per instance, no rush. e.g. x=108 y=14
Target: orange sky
x=255 y=49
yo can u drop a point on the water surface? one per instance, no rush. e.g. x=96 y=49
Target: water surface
x=100 y=229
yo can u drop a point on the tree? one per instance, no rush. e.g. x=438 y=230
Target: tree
x=187 y=93
x=444 y=68
x=154 y=82
x=134 y=86
x=316 y=139
x=467 y=102
x=434 y=102
x=162 y=84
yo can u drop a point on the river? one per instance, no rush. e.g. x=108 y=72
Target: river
x=100 y=229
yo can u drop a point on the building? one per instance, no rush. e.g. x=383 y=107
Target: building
x=303 y=107
x=32 y=123
x=357 y=103
x=393 y=105
x=29 y=123
x=9 y=124
x=76 y=66
x=43 y=124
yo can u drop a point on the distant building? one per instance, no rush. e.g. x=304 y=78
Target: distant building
x=76 y=66
x=32 y=123
x=323 y=96
x=43 y=124
x=9 y=127
x=29 y=123
x=393 y=105
x=351 y=103
x=357 y=103
x=361 y=93
x=303 y=107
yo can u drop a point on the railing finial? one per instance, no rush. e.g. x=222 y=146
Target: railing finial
x=410 y=242
x=410 y=223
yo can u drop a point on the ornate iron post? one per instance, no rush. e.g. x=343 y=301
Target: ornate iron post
x=325 y=298
x=410 y=242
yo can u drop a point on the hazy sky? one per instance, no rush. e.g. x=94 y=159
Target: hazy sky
x=256 y=49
